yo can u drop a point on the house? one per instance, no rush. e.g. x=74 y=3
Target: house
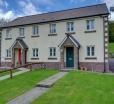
x=74 y=38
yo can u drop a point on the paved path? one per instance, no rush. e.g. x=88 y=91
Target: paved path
x=28 y=97
x=31 y=95
x=23 y=70
x=51 y=80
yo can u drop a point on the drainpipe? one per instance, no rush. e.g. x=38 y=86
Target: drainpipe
x=78 y=58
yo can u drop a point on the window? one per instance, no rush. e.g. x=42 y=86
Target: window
x=52 y=51
x=90 y=51
x=70 y=26
x=21 y=32
x=8 y=53
x=52 y=28
x=35 y=30
x=8 y=34
x=90 y=25
x=35 y=52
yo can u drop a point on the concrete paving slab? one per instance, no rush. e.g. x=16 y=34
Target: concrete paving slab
x=51 y=80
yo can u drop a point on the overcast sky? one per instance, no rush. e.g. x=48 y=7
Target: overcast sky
x=10 y=9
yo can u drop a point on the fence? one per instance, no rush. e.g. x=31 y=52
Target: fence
x=29 y=66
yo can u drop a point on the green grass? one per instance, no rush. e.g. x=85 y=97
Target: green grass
x=111 y=47
x=11 y=88
x=80 y=88
x=6 y=73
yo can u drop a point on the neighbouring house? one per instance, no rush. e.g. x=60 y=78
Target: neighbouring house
x=74 y=38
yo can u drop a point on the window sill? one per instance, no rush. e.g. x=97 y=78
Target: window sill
x=52 y=58
x=90 y=58
x=8 y=38
x=33 y=58
x=33 y=36
x=90 y=31
x=70 y=33
x=52 y=34
x=21 y=36
x=8 y=58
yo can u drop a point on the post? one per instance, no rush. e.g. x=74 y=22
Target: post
x=30 y=67
x=11 y=76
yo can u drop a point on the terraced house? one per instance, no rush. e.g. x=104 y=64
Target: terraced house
x=64 y=39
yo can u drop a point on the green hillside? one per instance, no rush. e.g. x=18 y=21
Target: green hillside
x=111 y=37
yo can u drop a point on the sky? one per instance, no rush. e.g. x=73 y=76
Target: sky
x=11 y=9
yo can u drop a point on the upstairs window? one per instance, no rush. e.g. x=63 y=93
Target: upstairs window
x=8 y=34
x=90 y=50
x=8 y=53
x=52 y=28
x=35 y=30
x=35 y=52
x=52 y=51
x=70 y=26
x=21 y=32
x=90 y=25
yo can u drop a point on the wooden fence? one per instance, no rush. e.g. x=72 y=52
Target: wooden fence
x=29 y=66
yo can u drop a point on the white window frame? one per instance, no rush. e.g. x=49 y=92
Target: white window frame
x=90 y=24
x=8 y=34
x=21 y=33
x=35 y=30
x=52 y=51
x=52 y=28
x=8 y=53
x=35 y=52
x=91 y=52
x=70 y=26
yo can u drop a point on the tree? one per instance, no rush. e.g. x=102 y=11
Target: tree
x=3 y=22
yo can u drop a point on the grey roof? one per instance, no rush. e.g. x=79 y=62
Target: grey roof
x=94 y=10
x=73 y=40
x=23 y=44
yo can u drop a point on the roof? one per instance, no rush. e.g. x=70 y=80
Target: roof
x=20 y=42
x=94 y=10
x=73 y=40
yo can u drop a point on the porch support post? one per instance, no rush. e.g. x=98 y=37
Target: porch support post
x=75 y=57
x=13 y=57
x=23 y=56
x=62 y=57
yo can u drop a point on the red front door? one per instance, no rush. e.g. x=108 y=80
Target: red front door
x=19 y=56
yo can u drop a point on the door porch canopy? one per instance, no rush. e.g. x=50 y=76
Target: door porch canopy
x=19 y=44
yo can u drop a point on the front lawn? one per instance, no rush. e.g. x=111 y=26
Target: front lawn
x=80 y=88
x=10 y=88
